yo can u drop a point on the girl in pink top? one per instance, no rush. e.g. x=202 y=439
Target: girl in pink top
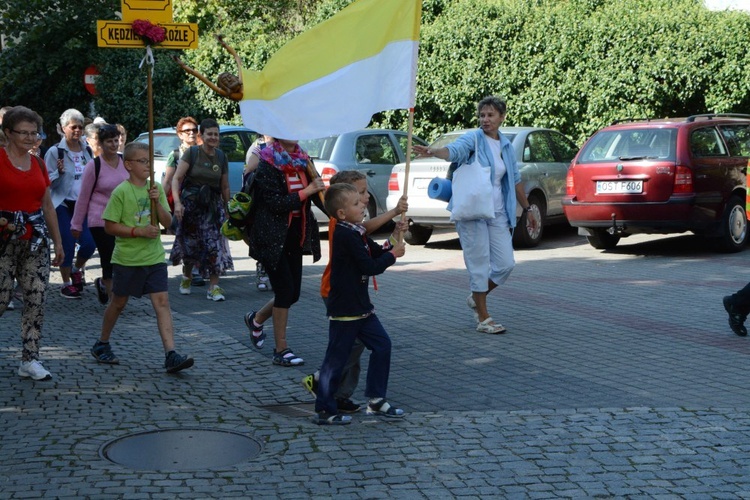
x=95 y=193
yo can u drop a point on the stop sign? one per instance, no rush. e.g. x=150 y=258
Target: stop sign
x=89 y=79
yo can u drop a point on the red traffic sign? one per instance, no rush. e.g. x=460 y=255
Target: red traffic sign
x=89 y=79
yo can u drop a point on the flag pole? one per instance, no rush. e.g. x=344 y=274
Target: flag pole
x=408 y=164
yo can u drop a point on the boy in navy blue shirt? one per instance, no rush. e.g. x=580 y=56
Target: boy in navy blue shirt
x=354 y=259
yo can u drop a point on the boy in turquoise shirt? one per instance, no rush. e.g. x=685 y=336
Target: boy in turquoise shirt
x=139 y=265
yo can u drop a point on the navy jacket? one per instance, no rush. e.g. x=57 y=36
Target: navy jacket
x=351 y=267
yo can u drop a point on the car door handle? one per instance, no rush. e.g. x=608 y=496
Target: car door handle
x=370 y=173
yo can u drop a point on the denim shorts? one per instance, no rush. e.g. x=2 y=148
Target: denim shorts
x=136 y=281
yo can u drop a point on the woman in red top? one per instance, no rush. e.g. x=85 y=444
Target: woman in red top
x=27 y=224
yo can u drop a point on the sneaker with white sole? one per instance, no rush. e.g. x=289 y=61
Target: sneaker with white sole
x=216 y=294
x=185 y=286
x=33 y=369
x=70 y=292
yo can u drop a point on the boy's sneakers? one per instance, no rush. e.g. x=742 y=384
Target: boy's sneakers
x=185 y=286
x=309 y=383
x=381 y=407
x=287 y=358
x=103 y=353
x=101 y=291
x=216 y=294
x=78 y=280
x=324 y=418
x=70 y=292
x=34 y=370
x=176 y=362
x=197 y=278
x=256 y=332
x=346 y=405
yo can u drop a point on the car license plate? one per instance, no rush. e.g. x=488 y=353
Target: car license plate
x=421 y=183
x=606 y=187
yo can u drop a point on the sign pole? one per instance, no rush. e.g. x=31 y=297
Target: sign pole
x=121 y=34
x=150 y=92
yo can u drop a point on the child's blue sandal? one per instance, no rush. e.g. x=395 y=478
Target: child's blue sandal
x=324 y=418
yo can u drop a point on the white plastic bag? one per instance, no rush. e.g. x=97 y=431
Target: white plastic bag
x=472 y=191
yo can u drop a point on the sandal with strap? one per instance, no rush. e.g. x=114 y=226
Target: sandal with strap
x=287 y=358
x=383 y=408
x=256 y=333
x=324 y=418
x=489 y=326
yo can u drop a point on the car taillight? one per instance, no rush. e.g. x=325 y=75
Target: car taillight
x=683 y=180
x=326 y=175
x=393 y=182
x=570 y=185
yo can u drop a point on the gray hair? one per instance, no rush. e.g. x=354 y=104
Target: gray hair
x=70 y=115
x=495 y=102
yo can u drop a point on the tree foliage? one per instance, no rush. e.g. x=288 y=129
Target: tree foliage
x=574 y=65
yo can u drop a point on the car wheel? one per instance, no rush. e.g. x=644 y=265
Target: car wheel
x=525 y=236
x=602 y=240
x=734 y=226
x=417 y=234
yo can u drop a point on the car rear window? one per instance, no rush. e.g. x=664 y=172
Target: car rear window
x=630 y=144
x=163 y=143
x=319 y=149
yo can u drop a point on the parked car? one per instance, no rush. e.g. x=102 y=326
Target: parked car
x=234 y=142
x=543 y=157
x=372 y=151
x=662 y=176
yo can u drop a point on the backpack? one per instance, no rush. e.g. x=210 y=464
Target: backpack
x=241 y=212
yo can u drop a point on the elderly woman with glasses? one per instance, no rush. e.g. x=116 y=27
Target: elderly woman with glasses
x=100 y=177
x=65 y=163
x=27 y=225
x=187 y=132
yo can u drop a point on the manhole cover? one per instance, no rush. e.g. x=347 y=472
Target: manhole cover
x=181 y=449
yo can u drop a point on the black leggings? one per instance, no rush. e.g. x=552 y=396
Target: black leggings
x=286 y=279
x=105 y=244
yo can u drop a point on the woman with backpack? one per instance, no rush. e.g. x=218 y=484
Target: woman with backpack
x=200 y=189
x=100 y=177
x=65 y=163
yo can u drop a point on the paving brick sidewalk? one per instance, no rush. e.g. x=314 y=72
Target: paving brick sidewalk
x=619 y=377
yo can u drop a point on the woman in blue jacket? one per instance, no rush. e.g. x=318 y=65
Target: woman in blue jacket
x=488 y=243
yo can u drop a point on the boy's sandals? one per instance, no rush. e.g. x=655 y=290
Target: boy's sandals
x=324 y=418
x=287 y=358
x=489 y=326
x=383 y=408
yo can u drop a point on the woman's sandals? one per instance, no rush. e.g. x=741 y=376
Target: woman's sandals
x=489 y=326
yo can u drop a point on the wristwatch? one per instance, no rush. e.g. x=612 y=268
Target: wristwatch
x=526 y=209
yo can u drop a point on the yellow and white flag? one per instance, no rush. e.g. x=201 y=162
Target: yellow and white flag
x=332 y=78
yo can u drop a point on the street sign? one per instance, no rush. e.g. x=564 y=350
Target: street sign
x=119 y=34
x=89 y=79
x=156 y=11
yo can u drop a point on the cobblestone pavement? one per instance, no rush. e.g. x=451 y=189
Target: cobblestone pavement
x=619 y=377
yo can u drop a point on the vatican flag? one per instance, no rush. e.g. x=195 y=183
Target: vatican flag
x=332 y=78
